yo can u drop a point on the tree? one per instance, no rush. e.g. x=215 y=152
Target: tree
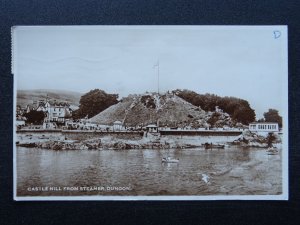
x=94 y=102
x=244 y=115
x=273 y=116
x=35 y=117
x=238 y=109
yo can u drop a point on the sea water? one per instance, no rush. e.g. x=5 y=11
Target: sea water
x=230 y=171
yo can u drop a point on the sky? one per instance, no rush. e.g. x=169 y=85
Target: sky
x=248 y=62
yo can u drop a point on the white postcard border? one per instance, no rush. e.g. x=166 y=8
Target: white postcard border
x=285 y=147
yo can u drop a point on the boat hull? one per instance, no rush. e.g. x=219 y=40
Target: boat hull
x=170 y=160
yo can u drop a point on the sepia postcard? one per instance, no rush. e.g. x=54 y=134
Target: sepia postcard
x=150 y=112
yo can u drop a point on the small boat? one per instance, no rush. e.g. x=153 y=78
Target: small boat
x=272 y=151
x=43 y=137
x=169 y=160
x=208 y=146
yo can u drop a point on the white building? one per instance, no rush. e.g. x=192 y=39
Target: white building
x=117 y=126
x=55 y=112
x=152 y=128
x=264 y=127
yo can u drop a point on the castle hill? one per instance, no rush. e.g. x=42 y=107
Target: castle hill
x=177 y=119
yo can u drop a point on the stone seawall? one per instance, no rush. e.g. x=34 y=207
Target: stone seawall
x=198 y=140
x=60 y=140
x=76 y=134
x=68 y=140
x=187 y=137
x=202 y=132
x=84 y=135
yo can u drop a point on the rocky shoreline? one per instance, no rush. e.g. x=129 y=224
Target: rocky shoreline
x=247 y=139
x=251 y=139
x=99 y=145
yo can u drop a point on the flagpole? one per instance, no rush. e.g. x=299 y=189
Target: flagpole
x=158 y=77
x=157 y=65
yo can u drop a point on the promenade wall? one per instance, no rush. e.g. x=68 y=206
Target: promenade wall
x=76 y=134
x=177 y=136
x=202 y=132
x=83 y=135
x=197 y=139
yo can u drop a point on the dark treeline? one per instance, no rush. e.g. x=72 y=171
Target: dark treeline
x=94 y=102
x=272 y=116
x=238 y=109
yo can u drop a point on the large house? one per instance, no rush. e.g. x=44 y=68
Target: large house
x=56 y=112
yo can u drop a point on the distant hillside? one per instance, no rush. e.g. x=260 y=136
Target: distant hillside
x=25 y=97
x=168 y=109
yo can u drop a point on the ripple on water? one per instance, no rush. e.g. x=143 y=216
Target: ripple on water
x=231 y=171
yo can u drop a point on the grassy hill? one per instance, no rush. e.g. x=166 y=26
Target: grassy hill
x=168 y=109
x=25 y=97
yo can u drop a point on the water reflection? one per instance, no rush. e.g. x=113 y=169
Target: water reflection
x=229 y=171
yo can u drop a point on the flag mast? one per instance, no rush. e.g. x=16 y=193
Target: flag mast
x=157 y=65
x=158 y=77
